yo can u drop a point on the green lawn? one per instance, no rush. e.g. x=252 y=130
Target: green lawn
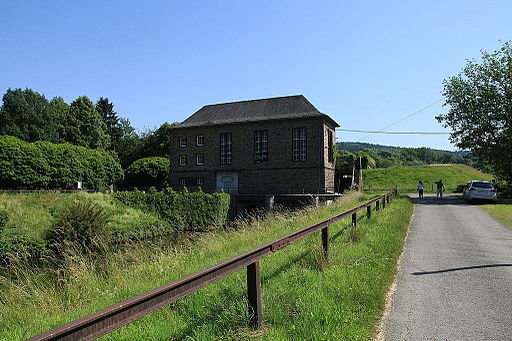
x=406 y=178
x=502 y=211
x=305 y=297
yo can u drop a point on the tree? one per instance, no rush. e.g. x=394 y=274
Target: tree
x=480 y=114
x=24 y=115
x=112 y=122
x=85 y=127
x=149 y=171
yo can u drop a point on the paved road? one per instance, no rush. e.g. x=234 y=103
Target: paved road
x=455 y=280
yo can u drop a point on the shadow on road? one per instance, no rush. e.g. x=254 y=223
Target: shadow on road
x=448 y=199
x=419 y=273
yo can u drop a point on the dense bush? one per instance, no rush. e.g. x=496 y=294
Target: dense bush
x=47 y=165
x=3 y=218
x=16 y=245
x=82 y=223
x=147 y=172
x=184 y=211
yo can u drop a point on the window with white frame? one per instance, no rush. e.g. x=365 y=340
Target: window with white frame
x=299 y=137
x=183 y=160
x=183 y=142
x=183 y=181
x=200 y=159
x=200 y=181
x=225 y=149
x=200 y=140
x=261 y=145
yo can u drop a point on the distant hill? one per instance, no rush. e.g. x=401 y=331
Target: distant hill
x=406 y=178
x=390 y=156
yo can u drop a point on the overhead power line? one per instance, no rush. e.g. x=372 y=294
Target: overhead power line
x=393 y=132
x=414 y=113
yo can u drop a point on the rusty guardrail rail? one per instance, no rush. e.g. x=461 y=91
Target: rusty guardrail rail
x=111 y=318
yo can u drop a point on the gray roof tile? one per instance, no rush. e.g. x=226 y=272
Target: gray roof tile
x=277 y=108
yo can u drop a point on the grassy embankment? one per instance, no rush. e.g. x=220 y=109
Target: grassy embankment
x=305 y=297
x=502 y=211
x=34 y=213
x=406 y=178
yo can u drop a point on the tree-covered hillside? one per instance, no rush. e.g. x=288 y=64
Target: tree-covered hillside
x=389 y=156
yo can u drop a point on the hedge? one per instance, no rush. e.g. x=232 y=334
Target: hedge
x=37 y=165
x=184 y=211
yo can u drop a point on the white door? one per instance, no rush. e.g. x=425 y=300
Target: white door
x=227 y=182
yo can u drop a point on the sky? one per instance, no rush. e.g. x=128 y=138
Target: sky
x=367 y=64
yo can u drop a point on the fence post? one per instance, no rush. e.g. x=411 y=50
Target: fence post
x=387 y=199
x=369 y=211
x=354 y=219
x=383 y=203
x=325 y=241
x=377 y=205
x=254 y=294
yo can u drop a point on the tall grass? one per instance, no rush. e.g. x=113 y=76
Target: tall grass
x=304 y=295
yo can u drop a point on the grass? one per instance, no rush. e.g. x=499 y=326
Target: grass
x=34 y=213
x=502 y=211
x=406 y=178
x=304 y=295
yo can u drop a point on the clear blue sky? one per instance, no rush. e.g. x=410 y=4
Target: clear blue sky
x=365 y=63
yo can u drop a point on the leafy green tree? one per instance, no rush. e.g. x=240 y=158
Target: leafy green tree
x=24 y=115
x=58 y=111
x=480 y=114
x=147 y=172
x=85 y=127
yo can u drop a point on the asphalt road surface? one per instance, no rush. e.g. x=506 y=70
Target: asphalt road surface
x=455 y=277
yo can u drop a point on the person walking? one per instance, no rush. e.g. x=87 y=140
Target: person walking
x=420 y=190
x=440 y=189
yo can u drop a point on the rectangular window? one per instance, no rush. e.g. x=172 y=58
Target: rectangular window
x=330 y=156
x=299 y=144
x=183 y=142
x=200 y=159
x=183 y=181
x=261 y=145
x=183 y=160
x=200 y=140
x=225 y=149
x=200 y=181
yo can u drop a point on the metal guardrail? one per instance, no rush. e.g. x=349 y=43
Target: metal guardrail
x=111 y=318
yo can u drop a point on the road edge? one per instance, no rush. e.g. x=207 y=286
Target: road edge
x=379 y=334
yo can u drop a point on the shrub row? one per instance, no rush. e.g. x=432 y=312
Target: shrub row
x=184 y=211
x=41 y=164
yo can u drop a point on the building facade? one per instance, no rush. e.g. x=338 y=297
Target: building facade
x=278 y=145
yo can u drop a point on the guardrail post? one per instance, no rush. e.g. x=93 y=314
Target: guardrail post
x=383 y=203
x=369 y=211
x=377 y=205
x=325 y=240
x=254 y=294
x=387 y=199
x=354 y=219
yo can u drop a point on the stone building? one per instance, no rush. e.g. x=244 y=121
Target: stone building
x=280 y=145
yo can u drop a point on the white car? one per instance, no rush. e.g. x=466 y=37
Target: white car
x=478 y=189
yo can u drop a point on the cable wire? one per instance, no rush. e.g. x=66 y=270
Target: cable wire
x=393 y=132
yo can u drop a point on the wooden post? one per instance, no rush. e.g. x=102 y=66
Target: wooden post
x=377 y=205
x=384 y=203
x=354 y=219
x=254 y=294
x=369 y=211
x=325 y=241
